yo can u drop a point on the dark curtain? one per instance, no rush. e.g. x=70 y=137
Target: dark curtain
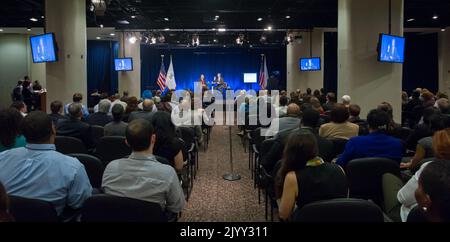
x=330 y=62
x=100 y=66
x=421 y=67
x=232 y=63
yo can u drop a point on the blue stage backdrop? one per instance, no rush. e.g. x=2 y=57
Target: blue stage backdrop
x=100 y=66
x=232 y=63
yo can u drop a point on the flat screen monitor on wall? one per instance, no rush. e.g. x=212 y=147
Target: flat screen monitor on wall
x=250 y=78
x=391 y=49
x=123 y=64
x=43 y=48
x=310 y=64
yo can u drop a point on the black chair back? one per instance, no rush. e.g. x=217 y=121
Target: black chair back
x=266 y=145
x=32 y=210
x=107 y=208
x=69 y=145
x=257 y=138
x=416 y=215
x=340 y=210
x=365 y=177
x=162 y=160
x=338 y=146
x=94 y=168
x=112 y=148
x=97 y=132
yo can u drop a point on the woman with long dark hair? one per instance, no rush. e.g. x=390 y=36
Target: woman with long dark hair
x=10 y=136
x=167 y=145
x=304 y=177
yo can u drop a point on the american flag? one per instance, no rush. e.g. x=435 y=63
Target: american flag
x=263 y=74
x=162 y=77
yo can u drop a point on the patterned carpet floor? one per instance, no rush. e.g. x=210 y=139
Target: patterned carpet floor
x=214 y=199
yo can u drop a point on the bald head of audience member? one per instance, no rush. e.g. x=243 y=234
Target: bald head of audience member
x=147 y=105
x=140 y=136
x=293 y=110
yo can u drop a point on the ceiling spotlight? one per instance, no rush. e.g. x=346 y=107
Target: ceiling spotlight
x=132 y=16
x=288 y=17
x=161 y=39
x=195 y=40
x=442 y=30
x=215 y=41
x=166 y=29
x=123 y=22
x=410 y=20
x=1 y=30
x=98 y=37
x=240 y=39
x=435 y=17
x=153 y=40
x=269 y=28
x=33 y=19
x=217 y=17
x=178 y=41
x=112 y=34
x=263 y=39
x=260 y=19
x=28 y=29
x=42 y=17
x=101 y=26
x=221 y=30
x=166 y=19
x=132 y=40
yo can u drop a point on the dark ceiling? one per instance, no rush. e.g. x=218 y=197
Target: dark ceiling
x=233 y=14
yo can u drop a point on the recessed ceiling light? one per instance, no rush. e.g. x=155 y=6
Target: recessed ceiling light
x=213 y=29
x=269 y=28
x=97 y=37
x=288 y=17
x=112 y=34
x=222 y=30
x=132 y=16
x=217 y=16
x=123 y=22
x=1 y=30
x=166 y=19
x=34 y=19
x=166 y=29
x=101 y=26
x=260 y=19
x=410 y=20
x=442 y=30
x=42 y=17
x=29 y=29
x=435 y=17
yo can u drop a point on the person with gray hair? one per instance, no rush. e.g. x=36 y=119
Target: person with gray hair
x=74 y=127
x=101 y=118
x=146 y=113
x=346 y=100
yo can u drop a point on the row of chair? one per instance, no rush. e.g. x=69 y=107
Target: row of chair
x=98 y=208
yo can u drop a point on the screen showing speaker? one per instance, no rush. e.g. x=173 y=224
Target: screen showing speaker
x=391 y=49
x=43 y=48
x=310 y=64
x=123 y=64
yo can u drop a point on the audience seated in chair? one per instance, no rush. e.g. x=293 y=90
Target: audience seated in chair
x=10 y=136
x=304 y=177
x=309 y=123
x=441 y=149
x=37 y=171
x=146 y=113
x=117 y=127
x=376 y=144
x=141 y=176
x=340 y=127
x=74 y=127
x=167 y=144
x=77 y=98
x=433 y=191
x=291 y=121
x=100 y=118
x=57 y=108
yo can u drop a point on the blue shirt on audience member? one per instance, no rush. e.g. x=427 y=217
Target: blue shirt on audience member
x=376 y=144
x=37 y=171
